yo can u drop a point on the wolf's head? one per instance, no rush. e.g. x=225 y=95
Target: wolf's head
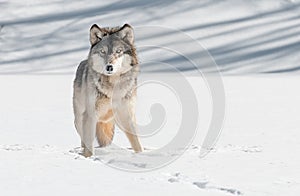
x=112 y=50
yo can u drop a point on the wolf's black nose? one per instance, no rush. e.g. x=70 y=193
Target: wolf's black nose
x=109 y=68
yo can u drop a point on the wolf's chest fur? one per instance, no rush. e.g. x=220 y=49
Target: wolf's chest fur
x=104 y=109
x=120 y=87
x=110 y=92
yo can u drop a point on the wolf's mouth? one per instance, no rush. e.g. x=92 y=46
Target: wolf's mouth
x=108 y=73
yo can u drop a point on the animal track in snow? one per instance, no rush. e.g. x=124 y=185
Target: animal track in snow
x=15 y=147
x=21 y=147
x=248 y=149
x=204 y=184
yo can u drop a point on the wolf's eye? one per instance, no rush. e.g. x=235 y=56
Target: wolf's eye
x=119 y=51
x=102 y=51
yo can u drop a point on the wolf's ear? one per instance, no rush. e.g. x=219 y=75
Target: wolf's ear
x=96 y=34
x=126 y=33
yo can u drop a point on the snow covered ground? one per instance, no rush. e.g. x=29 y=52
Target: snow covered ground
x=257 y=153
x=256 y=45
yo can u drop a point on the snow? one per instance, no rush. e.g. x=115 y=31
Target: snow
x=42 y=42
x=255 y=155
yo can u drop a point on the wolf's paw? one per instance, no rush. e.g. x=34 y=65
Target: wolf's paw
x=86 y=153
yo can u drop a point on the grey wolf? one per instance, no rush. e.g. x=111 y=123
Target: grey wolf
x=104 y=89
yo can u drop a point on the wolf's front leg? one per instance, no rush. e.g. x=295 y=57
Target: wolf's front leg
x=89 y=132
x=134 y=140
x=126 y=120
